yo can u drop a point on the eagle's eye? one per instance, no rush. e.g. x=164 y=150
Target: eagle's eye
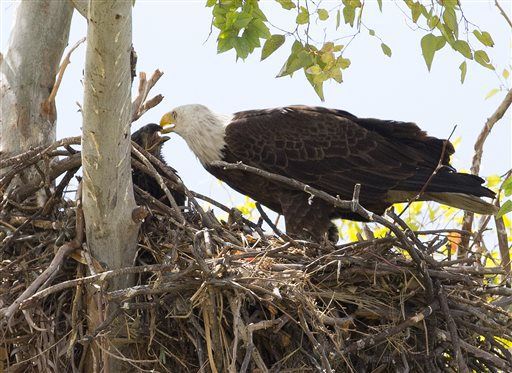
x=174 y=115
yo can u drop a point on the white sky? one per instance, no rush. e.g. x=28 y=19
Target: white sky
x=170 y=35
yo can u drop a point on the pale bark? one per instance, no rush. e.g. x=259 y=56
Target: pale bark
x=107 y=193
x=27 y=74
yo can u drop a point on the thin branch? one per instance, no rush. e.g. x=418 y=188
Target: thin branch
x=489 y=124
x=503 y=12
x=65 y=62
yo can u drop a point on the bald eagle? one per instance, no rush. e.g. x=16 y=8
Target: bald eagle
x=328 y=149
x=148 y=137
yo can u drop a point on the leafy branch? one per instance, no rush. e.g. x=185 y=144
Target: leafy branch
x=243 y=25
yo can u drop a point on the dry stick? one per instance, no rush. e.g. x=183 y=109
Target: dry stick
x=467 y=223
x=503 y=12
x=161 y=183
x=222 y=207
x=38 y=152
x=62 y=69
x=52 y=269
x=100 y=277
x=27 y=159
x=479 y=353
x=373 y=340
x=138 y=109
x=267 y=220
x=452 y=327
x=317 y=347
x=57 y=169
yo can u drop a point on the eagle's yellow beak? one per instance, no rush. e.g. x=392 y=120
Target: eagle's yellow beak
x=167 y=120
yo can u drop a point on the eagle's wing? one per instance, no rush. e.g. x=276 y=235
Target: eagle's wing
x=333 y=150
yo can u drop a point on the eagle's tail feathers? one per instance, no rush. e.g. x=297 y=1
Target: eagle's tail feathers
x=462 y=201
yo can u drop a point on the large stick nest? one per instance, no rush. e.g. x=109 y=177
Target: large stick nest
x=215 y=296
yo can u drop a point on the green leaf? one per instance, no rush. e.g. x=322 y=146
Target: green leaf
x=450 y=19
x=491 y=93
x=505 y=73
x=336 y=75
x=349 y=13
x=507 y=186
x=242 y=20
x=484 y=38
x=380 y=5
x=505 y=209
x=463 y=70
x=463 y=48
x=415 y=11
x=260 y=28
x=303 y=16
x=318 y=86
x=271 y=45
x=343 y=63
x=433 y=21
x=298 y=59
x=430 y=44
x=371 y=32
x=322 y=14
x=451 y=4
x=314 y=70
x=210 y=3
x=483 y=59
x=338 y=19
x=251 y=35
x=225 y=44
x=386 y=49
x=241 y=47
x=287 y=4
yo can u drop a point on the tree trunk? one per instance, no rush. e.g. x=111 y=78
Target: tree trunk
x=107 y=193
x=27 y=75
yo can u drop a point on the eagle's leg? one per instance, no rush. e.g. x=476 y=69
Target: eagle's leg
x=307 y=218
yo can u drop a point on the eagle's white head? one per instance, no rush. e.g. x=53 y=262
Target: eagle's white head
x=202 y=129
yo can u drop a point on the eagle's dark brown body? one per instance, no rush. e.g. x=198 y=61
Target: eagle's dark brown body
x=148 y=137
x=333 y=150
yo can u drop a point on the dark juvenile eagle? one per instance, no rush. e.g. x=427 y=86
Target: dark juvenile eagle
x=148 y=137
x=328 y=149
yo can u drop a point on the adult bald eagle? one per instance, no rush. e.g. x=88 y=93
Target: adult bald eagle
x=328 y=149
x=148 y=137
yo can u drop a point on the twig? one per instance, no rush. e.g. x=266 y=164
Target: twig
x=452 y=328
x=326 y=367
x=503 y=12
x=477 y=158
x=139 y=105
x=100 y=277
x=65 y=62
x=373 y=340
x=54 y=266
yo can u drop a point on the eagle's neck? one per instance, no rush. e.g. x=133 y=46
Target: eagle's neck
x=206 y=137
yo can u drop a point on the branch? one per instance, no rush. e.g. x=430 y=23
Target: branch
x=140 y=105
x=503 y=13
x=477 y=159
x=491 y=121
x=373 y=340
x=62 y=69
x=55 y=264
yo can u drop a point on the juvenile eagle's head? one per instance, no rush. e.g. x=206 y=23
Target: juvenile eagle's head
x=148 y=137
x=202 y=129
